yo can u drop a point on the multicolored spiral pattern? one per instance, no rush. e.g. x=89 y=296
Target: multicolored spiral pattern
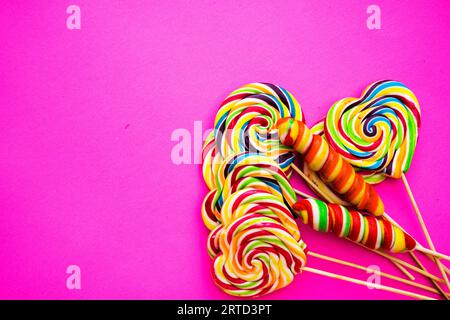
x=241 y=171
x=246 y=121
x=378 y=131
x=255 y=254
x=372 y=232
x=211 y=160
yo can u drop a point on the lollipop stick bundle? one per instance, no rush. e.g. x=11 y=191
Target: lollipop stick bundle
x=250 y=209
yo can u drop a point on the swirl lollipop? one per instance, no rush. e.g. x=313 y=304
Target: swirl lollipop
x=256 y=243
x=377 y=132
x=257 y=256
x=245 y=123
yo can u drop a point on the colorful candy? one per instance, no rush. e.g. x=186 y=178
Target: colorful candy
x=243 y=171
x=258 y=248
x=332 y=168
x=372 y=232
x=245 y=123
x=377 y=132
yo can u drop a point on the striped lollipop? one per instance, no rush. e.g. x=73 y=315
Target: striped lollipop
x=372 y=232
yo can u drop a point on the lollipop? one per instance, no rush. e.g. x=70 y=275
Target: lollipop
x=336 y=172
x=257 y=256
x=257 y=249
x=245 y=123
x=377 y=132
x=372 y=232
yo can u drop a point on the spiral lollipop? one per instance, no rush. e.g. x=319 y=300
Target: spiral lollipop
x=257 y=256
x=374 y=233
x=245 y=123
x=377 y=132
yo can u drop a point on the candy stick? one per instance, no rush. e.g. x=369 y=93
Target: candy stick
x=384 y=274
x=367 y=284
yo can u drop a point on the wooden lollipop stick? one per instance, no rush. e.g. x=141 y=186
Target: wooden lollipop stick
x=424 y=228
x=384 y=274
x=406 y=264
x=447 y=270
x=368 y=284
x=302 y=194
x=438 y=287
x=433 y=253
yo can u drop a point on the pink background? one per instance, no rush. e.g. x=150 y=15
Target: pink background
x=86 y=117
